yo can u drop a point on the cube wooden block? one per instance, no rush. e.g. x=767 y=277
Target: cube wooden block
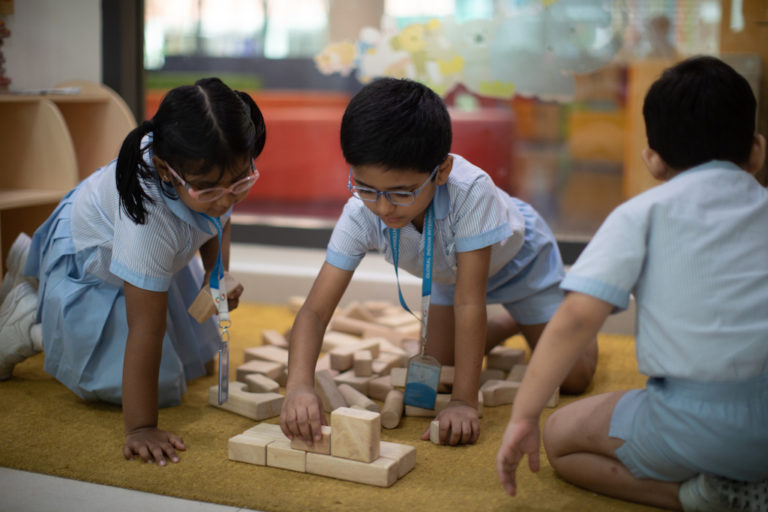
x=397 y=377
x=203 y=307
x=381 y=472
x=281 y=455
x=504 y=358
x=322 y=446
x=257 y=406
x=404 y=454
x=363 y=363
x=356 y=434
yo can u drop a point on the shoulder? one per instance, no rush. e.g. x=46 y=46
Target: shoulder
x=465 y=176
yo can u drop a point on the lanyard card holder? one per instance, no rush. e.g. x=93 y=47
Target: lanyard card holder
x=219 y=295
x=423 y=375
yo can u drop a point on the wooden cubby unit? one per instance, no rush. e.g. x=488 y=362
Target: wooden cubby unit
x=48 y=143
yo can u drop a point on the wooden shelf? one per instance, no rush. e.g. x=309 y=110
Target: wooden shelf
x=48 y=144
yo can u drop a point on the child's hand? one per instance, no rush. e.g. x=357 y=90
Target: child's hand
x=459 y=424
x=152 y=444
x=520 y=437
x=302 y=415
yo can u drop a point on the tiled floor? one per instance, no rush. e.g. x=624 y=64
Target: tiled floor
x=269 y=274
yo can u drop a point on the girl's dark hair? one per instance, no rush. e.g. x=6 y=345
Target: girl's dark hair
x=397 y=123
x=196 y=128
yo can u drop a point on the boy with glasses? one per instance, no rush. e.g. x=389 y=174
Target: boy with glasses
x=487 y=247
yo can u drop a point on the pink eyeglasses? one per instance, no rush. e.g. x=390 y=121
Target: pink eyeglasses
x=211 y=194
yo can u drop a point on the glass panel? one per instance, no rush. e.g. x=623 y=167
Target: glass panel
x=544 y=94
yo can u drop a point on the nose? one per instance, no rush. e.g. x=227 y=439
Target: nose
x=383 y=206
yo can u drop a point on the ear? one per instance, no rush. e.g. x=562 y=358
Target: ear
x=656 y=165
x=162 y=169
x=444 y=170
x=756 y=155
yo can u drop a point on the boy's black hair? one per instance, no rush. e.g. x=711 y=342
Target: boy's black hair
x=398 y=124
x=700 y=110
x=196 y=128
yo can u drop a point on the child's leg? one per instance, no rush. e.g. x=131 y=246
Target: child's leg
x=578 y=445
x=580 y=376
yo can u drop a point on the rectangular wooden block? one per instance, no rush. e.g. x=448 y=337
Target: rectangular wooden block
x=383 y=364
x=281 y=455
x=397 y=377
x=342 y=358
x=379 y=387
x=322 y=446
x=504 y=358
x=359 y=312
x=359 y=383
x=434 y=431
x=271 y=430
x=499 y=392
x=404 y=454
x=203 y=307
x=258 y=383
x=517 y=373
x=249 y=448
x=269 y=369
x=257 y=406
x=328 y=391
x=381 y=472
x=334 y=339
x=267 y=353
x=356 y=434
x=272 y=337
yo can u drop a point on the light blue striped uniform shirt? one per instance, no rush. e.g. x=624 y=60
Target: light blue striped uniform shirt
x=145 y=255
x=694 y=251
x=470 y=213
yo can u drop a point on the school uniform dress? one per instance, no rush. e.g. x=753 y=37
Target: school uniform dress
x=693 y=251
x=471 y=212
x=82 y=255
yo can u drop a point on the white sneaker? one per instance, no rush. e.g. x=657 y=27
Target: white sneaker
x=17 y=258
x=17 y=314
x=705 y=493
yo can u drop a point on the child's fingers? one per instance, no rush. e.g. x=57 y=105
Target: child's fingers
x=177 y=442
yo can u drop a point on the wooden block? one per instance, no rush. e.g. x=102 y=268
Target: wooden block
x=248 y=448
x=203 y=307
x=397 y=377
x=377 y=307
x=356 y=434
x=392 y=412
x=410 y=331
x=359 y=383
x=381 y=472
x=363 y=363
x=445 y=384
x=554 y=399
x=323 y=363
x=358 y=311
x=269 y=369
x=504 y=358
x=328 y=391
x=517 y=373
x=404 y=454
x=257 y=406
x=295 y=302
x=335 y=339
x=499 y=392
x=258 y=383
x=383 y=364
x=397 y=320
x=281 y=455
x=322 y=446
x=387 y=346
x=349 y=325
x=491 y=374
x=267 y=353
x=342 y=358
x=271 y=430
x=378 y=331
x=354 y=397
x=434 y=431
x=379 y=388
x=271 y=337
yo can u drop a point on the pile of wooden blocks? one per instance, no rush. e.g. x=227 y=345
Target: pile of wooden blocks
x=365 y=355
x=351 y=449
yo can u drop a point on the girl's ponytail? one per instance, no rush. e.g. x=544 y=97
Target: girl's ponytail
x=131 y=171
x=258 y=122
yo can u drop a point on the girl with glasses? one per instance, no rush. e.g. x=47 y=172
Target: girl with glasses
x=116 y=260
x=487 y=247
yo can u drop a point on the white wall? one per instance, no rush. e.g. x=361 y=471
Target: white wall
x=53 y=41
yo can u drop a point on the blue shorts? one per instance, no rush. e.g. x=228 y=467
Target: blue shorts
x=676 y=428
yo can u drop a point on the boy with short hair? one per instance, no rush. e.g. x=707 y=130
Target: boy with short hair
x=694 y=252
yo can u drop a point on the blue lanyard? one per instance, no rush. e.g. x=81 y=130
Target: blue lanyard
x=219 y=295
x=426 y=278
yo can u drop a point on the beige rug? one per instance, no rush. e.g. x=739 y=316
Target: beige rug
x=45 y=428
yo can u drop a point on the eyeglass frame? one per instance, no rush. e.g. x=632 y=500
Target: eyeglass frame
x=386 y=193
x=195 y=193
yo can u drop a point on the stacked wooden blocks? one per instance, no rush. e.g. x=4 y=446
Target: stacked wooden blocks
x=351 y=449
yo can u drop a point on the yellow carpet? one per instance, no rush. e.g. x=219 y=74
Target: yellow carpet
x=47 y=429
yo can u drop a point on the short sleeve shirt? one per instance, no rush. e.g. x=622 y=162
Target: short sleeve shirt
x=694 y=251
x=145 y=255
